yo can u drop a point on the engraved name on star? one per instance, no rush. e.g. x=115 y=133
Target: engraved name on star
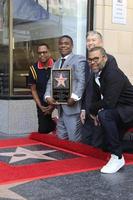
x=23 y=154
x=61 y=80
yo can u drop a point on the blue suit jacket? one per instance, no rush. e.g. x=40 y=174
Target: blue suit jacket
x=77 y=65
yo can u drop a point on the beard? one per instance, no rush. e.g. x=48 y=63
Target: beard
x=99 y=68
x=95 y=71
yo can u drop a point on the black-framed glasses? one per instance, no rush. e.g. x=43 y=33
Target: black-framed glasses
x=95 y=59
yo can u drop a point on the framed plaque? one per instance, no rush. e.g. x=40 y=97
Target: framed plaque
x=61 y=85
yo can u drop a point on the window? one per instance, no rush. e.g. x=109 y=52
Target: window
x=34 y=22
x=4 y=48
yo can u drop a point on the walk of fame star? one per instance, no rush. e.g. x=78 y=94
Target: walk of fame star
x=23 y=154
x=61 y=80
x=6 y=191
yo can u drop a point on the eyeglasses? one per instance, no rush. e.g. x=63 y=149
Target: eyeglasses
x=42 y=52
x=95 y=60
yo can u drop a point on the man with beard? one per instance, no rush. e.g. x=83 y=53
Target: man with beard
x=91 y=134
x=111 y=105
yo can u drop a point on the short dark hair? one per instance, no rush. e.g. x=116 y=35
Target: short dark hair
x=66 y=36
x=101 y=49
x=43 y=44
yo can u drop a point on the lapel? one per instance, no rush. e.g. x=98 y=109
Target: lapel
x=67 y=62
x=90 y=78
x=102 y=75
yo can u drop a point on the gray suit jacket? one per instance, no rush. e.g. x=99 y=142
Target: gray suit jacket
x=77 y=64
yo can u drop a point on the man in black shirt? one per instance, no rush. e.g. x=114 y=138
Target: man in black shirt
x=38 y=77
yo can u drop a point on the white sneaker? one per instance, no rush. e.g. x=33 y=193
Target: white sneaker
x=113 y=165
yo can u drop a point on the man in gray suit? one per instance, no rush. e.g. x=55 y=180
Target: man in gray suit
x=68 y=125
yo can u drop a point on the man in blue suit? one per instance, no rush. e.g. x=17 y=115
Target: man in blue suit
x=68 y=125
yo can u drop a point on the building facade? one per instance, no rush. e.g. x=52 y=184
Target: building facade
x=25 y=24
x=113 y=18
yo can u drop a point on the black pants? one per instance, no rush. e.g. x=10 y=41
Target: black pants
x=114 y=130
x=91 y=134
x=45 y=122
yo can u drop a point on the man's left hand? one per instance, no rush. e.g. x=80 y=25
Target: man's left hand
x=49 y=109
x=95 y=119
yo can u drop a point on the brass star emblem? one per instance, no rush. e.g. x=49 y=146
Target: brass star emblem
x=61 y=80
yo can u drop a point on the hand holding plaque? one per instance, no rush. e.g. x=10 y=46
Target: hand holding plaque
x=61 y=85
x=71 y=102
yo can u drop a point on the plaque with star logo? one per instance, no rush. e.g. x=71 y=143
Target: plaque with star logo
x=61 y=85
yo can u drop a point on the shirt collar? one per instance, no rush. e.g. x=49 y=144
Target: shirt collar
x=98 y=74
x=65 y=57
x=42 y=65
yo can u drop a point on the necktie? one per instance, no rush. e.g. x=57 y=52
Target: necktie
x=62 y=62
